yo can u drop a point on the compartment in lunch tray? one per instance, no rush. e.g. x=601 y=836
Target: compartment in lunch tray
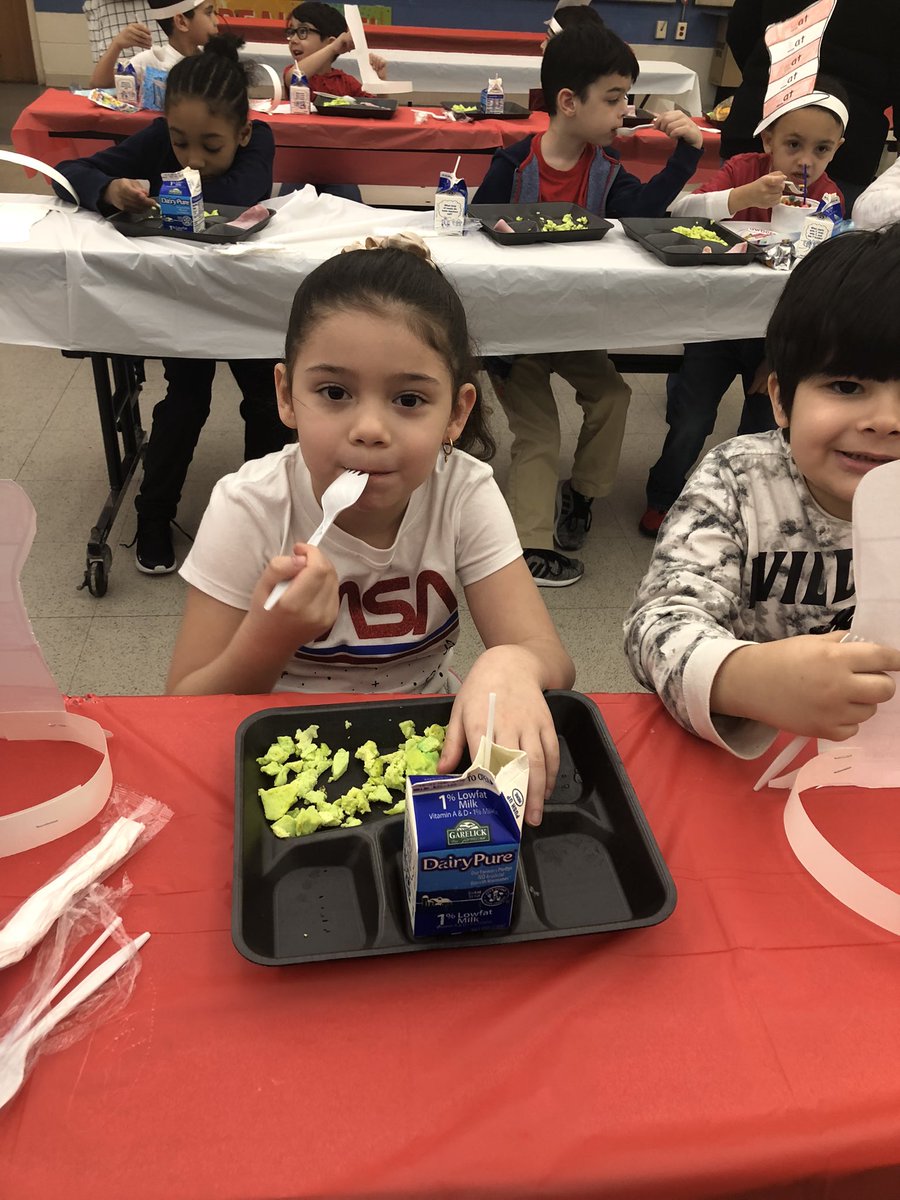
x=657 y=234
x=591 y=866
x=376 y=108
x=526 y=220
x=511 y=111
x=217 y=227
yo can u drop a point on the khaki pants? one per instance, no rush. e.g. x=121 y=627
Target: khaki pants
x=530 y=407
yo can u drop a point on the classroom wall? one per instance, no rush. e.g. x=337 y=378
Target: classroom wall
x=63 y=57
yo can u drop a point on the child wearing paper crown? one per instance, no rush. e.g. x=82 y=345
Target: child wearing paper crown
x=316 y=35
x=206 y=126
x=586 y=74
x=798 y=147
x=379 y=377
x=188 y=26
x=753 y=566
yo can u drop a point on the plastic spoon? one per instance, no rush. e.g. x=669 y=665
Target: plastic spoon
x=345 y=490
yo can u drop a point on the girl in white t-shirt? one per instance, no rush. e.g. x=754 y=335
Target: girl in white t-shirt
x=378 y=377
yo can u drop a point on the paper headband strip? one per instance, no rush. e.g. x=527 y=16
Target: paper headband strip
x=30 y=827
x=35 y=164
x=794 y=46
x=819 y=99
x=161 y=11
x=553 y=26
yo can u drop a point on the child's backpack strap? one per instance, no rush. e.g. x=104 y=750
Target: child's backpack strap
x=527 y=184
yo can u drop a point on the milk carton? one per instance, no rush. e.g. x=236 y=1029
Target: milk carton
x=461 y=843
x=299 y=94
x=126 y=83
x=451 y=202
x=492 y=99
x=181 y=201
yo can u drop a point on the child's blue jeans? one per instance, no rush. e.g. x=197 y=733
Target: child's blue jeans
x=693 y=397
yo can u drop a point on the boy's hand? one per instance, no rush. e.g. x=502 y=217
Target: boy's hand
x=764 y=192
x=813 y=684
x=522 y=721
x=135 y=34
x=342 y=44
x=309 y=607
x=675 y=124
x=379 y=66
x=127 y=195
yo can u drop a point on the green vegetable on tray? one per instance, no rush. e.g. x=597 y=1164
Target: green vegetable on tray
x=338 y=100
x=699 y=233
x=296 y=805
x=464 y=108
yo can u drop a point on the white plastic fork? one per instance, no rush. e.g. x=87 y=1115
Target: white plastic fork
x=345 y=490
x=14 y=1053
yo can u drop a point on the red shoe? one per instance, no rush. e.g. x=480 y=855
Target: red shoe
x=651 y=520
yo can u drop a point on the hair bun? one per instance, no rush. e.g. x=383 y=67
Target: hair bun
x=225 y=45
x=410 y=242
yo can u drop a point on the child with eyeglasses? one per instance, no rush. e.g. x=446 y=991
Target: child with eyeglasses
x=316 y=34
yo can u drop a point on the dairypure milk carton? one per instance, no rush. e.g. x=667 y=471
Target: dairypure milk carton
x=126 y=83
x=451 y=202
x=299 y=94
x=493 y=100
x=461 y=843
x=181 y=201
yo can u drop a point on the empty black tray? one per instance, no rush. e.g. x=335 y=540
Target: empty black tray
x=376 y=108
x=511 y=111
x=528 y=229
x=675 y=250
x=592 y=866
x=217 y=228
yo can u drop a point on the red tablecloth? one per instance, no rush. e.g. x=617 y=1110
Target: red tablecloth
x=404 y=37
x=747 y=1047
x=312 y=149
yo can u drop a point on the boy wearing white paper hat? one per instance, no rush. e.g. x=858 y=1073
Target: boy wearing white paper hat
x=188 y=25
x=799 y=140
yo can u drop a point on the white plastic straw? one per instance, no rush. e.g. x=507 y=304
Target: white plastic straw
x=489 y=732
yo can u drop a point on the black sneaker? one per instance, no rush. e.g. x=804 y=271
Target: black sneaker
x=154 y=553
x=573 y=517
x=549 y=569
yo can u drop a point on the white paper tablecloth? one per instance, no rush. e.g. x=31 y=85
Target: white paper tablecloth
x=78 y=284
x=456 y=74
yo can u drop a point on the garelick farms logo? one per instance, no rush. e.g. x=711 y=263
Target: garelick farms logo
x=467 y=832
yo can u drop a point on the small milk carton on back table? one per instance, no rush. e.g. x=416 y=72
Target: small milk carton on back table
x=461 y=842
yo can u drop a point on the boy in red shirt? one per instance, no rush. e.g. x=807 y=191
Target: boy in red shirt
x=316 y=35
x=586 y=74
x=798 y=147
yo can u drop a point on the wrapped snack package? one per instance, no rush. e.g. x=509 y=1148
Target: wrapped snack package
x=153 y=89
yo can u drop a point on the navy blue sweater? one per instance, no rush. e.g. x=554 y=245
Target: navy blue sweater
x=626 y=197
x=149 y=153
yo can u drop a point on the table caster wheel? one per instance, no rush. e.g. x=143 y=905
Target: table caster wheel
x=97 y=578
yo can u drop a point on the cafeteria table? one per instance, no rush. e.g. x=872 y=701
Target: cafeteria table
x=77 y=284
x=451 y=73
x=399 y=37
x=314 y=149
x=747 y=1048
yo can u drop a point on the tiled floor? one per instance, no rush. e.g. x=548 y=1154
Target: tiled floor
x=50 y=443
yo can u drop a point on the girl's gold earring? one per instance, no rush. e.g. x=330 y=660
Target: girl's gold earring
x=447 y=448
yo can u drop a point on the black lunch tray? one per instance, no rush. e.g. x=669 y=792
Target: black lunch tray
x=592 y=866
x=531 y=233
x=377 y=108
x=217 y=228
x=675 y=250
x=511 y=111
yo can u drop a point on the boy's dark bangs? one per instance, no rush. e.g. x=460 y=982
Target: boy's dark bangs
x=623 y=62
x=854 y=331
x=840 y=312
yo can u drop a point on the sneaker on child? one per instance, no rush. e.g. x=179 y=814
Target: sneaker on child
x=154 y=553
x=573 y=517
x=651 y=520
x=549 y=569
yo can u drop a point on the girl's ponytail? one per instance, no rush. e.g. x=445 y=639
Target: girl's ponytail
x=216 y=76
